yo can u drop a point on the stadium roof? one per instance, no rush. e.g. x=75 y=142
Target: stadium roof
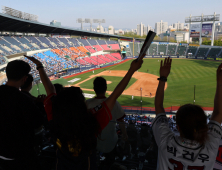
x=12 y=24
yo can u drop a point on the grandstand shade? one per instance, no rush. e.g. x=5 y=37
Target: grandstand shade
x=13 y=24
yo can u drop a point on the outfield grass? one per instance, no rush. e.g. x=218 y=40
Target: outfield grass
x=184 y=75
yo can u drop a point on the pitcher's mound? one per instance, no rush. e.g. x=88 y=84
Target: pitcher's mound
x=108 y=82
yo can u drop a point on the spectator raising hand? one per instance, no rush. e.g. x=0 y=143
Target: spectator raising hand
x=164 y=73
x=165 y=67
x=49 y=87
x=217 y=113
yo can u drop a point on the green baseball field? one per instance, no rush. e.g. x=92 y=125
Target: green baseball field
x=185 y=74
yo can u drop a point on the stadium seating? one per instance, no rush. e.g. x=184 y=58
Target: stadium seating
x=82 y=62
x=25 y=41
x=83 y=42
x=83 y=50
x=46 y=41
x=52 y=63
x=104 y=58
x=116 y=55
x=92 y=42
x=97 y=59
x=33 y=40
x=73 y=41
x=171 y=50
x=90 y=49
x=13 y=41
x=114 y=46
x=4 y=51
x=54 y=40
x=77 y=51
x=101 y=42
x=90 y=61
x=214 y=52
x=162 y=49
x=105 y=47
x=128 y=52
x=181 y=50
x=153 y=49
x=2 y=60
x=202 y=52
x=36 y=42
x=110 y=57
x=10 y=46
x=136 y=49
x=65 y=41
x=98 y=48
x=58 y=52
x=192 y=50
x=112 y=42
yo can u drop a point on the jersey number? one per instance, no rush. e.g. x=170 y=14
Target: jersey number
x=179 y=166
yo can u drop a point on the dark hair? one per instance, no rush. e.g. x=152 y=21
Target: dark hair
x=58 y=87
x=192 y=123
x=16 y=69
x=28 y=81
x=72 y=122
x=100 y=85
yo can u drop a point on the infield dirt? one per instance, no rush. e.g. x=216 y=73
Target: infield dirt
x=148 y=83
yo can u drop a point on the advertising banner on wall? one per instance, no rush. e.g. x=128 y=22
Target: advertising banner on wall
x=195 y=30
x=206 y=30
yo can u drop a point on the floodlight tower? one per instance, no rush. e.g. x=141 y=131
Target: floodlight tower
x=99 y=21
x=80 y=20
x=89 y=21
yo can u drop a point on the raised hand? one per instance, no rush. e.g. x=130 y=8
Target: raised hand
x=34 y=60
x=219 y=75
x=165 y=67
x=136 y=64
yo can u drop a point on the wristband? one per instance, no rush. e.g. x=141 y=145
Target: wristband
x=38 y=67
x=162 y=78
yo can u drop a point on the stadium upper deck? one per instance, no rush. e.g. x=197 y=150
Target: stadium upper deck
x=13 y=24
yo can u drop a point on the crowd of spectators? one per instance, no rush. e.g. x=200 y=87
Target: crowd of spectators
x=82 y=129
x=51 y=64
x=2 y=60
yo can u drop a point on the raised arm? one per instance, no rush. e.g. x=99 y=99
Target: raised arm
x=217 y=113
x=135 y=65
x=164 y=72
x=49 y=87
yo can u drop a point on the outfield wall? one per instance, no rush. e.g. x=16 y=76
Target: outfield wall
x=175 y=56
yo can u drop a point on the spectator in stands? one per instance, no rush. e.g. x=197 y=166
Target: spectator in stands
x=197 y=145
x=58 y=88
x=108 y=138
x=27 y=86
x=19 y=119
x=74 y=127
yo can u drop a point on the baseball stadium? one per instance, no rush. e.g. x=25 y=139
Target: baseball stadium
x=74 y=58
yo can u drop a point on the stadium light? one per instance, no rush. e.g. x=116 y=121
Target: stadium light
x=89 y=21
x=99 y=21
x=80 y=20
x=19 y=14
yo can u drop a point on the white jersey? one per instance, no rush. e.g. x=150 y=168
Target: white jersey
x=109 y=137
x=218 y=162
x=176 y=153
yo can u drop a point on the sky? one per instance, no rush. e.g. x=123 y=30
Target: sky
x=125 y=14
